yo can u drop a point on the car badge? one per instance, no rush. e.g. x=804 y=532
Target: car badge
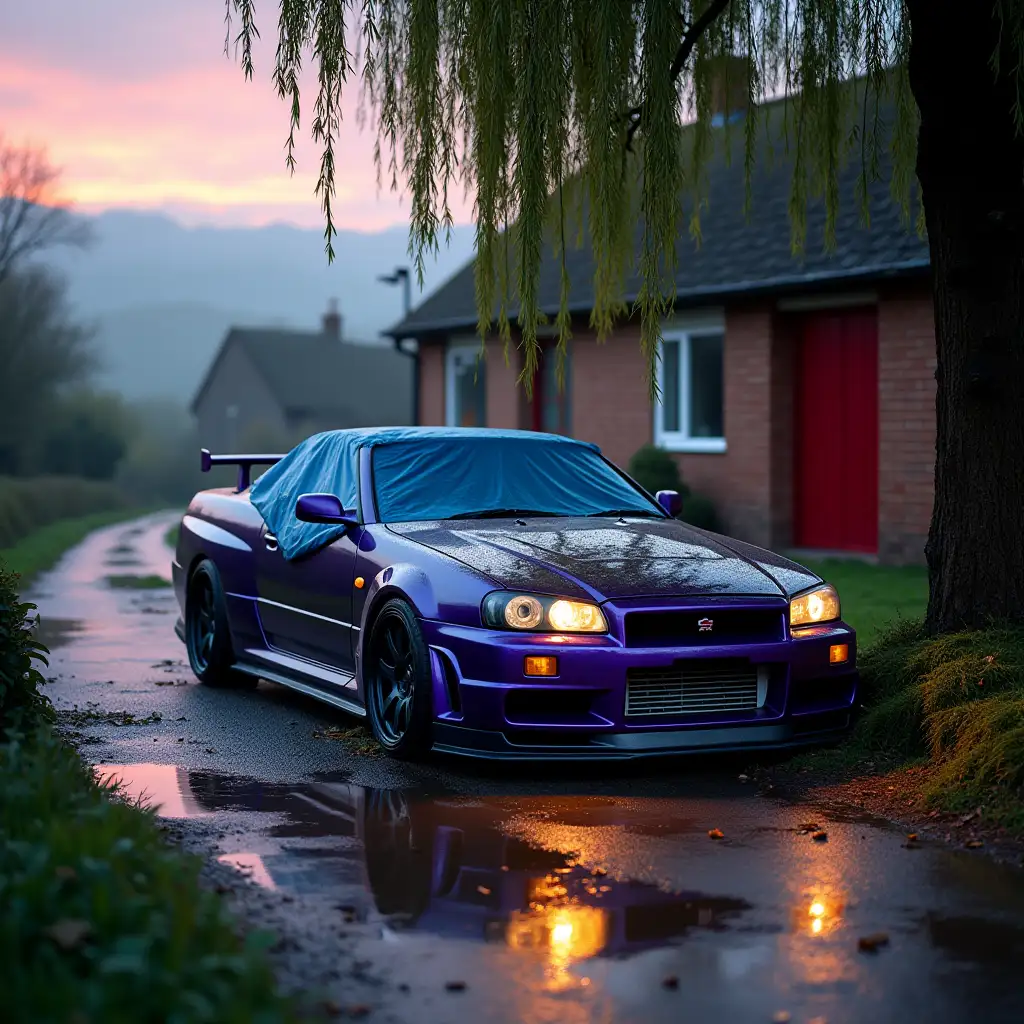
x=705 y=625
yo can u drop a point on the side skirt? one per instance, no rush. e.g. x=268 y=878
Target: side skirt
x=337 y=699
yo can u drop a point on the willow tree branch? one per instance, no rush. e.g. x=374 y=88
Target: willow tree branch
x=691 y=37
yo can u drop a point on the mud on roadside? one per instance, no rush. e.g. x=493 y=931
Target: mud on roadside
x=892 y=791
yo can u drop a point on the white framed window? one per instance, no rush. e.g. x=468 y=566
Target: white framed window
x=690 y=413
x=465 y=384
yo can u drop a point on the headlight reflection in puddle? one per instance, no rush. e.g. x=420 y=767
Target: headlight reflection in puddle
x=564 y=933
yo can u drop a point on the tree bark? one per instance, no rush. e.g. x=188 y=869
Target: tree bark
x=970 y=164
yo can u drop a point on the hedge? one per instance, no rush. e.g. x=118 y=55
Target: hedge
x=26 y=504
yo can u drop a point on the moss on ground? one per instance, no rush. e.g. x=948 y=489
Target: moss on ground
x=953 y=702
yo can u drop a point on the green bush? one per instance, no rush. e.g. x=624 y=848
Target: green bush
x=655 y=470
x=700 y=511
x=30 y=503
x=22 y=706
x=101 y=920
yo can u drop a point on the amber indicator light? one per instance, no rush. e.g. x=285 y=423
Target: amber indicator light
x=541 y=665
x=360 y=583
x=838 y=653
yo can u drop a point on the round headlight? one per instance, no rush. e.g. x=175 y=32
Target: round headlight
x=524 y=612
x=576 y=617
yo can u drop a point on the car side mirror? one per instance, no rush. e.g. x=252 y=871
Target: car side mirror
x=324 y=508
x=671 y=502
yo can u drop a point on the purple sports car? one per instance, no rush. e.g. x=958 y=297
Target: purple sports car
x=504 y=594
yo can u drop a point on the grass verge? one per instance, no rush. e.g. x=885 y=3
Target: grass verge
x=100 y=920
x=171 y=536
x=42 y=549
x=874 y=595
x=129 y=581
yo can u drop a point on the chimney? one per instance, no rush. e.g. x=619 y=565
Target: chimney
x=332 y=321
x=728 y=77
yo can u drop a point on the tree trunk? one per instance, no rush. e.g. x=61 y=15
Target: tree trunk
x=970 y=165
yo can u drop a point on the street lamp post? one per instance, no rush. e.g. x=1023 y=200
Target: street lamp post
x=401 y=276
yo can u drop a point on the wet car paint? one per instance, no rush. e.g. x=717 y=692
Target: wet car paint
x=301 y=624
x=396 y=856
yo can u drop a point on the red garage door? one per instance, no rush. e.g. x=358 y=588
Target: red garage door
x=836 y=426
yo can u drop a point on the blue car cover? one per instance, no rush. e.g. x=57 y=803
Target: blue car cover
x=431 y=473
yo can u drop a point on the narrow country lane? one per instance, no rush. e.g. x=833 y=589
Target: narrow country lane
x=448 y=892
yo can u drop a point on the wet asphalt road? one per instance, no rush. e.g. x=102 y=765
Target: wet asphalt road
x=583 y=895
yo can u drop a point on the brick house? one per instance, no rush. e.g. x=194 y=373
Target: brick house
x=797 y=393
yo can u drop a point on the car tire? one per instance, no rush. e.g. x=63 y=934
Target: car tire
x=207 y=633
x=398 y=682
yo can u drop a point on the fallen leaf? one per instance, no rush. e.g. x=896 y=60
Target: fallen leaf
x=974 y=844
x=671 y=982
x=912 y=836
x=820 y=836
x=716 y=833
x=872 y=943
x=455 y=986
x=69 y=932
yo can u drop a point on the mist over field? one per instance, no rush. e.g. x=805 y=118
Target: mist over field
x=161 y=295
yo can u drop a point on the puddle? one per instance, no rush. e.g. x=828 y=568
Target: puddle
x=612 y=896
x=445 y=866
x=54 y=632
x=977 y=940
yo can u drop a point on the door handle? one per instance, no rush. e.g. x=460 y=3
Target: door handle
x=270 y=541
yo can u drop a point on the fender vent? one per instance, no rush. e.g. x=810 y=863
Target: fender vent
x=451 y=683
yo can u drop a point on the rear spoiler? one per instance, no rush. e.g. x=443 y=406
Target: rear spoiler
x=243 y=462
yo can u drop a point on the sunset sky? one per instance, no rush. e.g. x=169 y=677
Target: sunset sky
x=138 y=105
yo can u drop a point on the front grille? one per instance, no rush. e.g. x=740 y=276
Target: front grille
x=692 y=688
x=704 y=627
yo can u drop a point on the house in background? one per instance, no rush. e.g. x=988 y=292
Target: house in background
x=797 y=393
x=272 y=387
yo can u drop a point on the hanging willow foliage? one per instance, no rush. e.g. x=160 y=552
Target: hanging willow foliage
x=565 y=119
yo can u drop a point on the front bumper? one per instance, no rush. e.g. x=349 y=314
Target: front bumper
x=453 y=739
x=486 y=706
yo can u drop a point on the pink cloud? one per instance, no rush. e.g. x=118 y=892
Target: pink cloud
x=150 y=114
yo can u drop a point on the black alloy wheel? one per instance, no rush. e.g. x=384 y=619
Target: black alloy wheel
x=207 y=633
x=399 y=682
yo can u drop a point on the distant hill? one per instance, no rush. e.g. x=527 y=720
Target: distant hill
x=161 y=295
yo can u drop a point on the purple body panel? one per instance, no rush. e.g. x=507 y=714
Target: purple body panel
x=681 y=604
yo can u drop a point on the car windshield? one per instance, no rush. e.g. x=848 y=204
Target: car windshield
x=480 y=477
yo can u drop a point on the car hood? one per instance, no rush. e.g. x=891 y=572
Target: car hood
x=608 y=558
